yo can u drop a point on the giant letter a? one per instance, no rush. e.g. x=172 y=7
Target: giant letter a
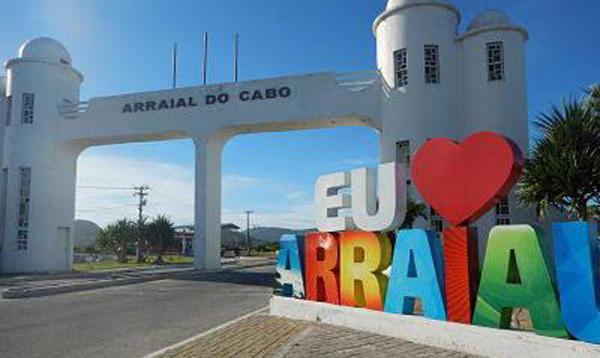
x=515 y=275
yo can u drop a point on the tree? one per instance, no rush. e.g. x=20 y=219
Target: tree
x=414 y=211
x=563 y=169
x=160 y=232
x=593 y=99
x=115 y=237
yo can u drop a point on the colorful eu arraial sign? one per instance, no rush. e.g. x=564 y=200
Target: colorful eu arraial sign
x=364 y=261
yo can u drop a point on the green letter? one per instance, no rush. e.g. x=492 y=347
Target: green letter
x=515 y=275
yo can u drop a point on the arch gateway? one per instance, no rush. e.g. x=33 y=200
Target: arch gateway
x=431 y=81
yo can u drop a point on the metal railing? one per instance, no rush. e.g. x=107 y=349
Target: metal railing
x=358 y=81
x=72 y=111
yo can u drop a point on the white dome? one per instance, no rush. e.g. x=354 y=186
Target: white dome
x=489 y=18
x=47 y=49
x=398 y=3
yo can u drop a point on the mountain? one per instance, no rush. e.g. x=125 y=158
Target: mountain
x=258 y=236
x=273 y=234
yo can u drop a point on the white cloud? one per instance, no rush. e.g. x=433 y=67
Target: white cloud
x=297 y=217
x=295 y=194
x=232 y=182
x=360 y=162
x=172 y=188
x=69 y=18
x=172 y=193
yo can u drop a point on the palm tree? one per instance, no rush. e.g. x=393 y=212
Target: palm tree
x=593 y=99
x=564 y=166
x=116 y=237
x=414 y=211
x=160 y=233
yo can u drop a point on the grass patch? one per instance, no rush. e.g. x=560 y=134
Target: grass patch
x=131 y=263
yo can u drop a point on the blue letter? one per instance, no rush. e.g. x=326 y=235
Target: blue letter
x=417 y=272
x=576 y=250
x=289 y=267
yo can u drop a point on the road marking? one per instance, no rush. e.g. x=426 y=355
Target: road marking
x=177 y=346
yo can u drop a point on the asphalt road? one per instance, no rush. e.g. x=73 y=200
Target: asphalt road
x=129 y=321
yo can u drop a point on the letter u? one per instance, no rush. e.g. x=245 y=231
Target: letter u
x=578 y=278
x=385 y=209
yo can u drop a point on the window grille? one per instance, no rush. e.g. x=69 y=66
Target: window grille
x=503 y=212
x=8 y=109
x=495 y=51
x=28 y=103
x=437 y=223
x=24 y=201
x=432 y=64
x=22 y=240
x=401 y=67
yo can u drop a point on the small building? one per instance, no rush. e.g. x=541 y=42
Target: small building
x=184 y=236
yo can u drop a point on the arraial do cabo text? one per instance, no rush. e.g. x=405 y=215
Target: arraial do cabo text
x=208 y=100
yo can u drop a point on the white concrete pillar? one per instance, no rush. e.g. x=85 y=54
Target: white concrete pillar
x=207 y=237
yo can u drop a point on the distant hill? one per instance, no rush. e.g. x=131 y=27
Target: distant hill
x=273 y=234
x=258 y=236
x=231 y=239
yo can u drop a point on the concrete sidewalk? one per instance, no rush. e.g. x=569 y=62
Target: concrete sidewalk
x=263 y=335
x=53 y=284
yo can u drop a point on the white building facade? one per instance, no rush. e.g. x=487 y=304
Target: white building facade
x=432 y=81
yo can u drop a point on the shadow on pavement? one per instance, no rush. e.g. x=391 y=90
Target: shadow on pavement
x=266 y=279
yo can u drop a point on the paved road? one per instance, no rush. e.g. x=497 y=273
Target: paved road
x=129 y=321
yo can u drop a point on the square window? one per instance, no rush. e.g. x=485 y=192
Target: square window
x=436 y=221
x=403 y=152
x=22 y=240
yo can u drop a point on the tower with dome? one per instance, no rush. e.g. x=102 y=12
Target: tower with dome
x=431 y=81
x=450 y=84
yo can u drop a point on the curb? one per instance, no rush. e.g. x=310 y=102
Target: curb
x=24 y=278
x=480 y=341
x=16 y=293
x=177 y=346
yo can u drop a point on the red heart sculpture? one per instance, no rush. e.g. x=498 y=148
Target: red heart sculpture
x=462 y=181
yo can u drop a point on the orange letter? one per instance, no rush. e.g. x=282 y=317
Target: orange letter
x=363 y=255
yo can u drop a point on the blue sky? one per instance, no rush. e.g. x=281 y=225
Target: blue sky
x=124 y=46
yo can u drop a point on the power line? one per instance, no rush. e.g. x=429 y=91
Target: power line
x=106 y=208
x=105 y=187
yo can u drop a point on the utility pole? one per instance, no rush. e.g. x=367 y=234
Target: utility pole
x=236 y=57
x=248 y=212
x=205 y=60
x=174 y=64
x=141 y=192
